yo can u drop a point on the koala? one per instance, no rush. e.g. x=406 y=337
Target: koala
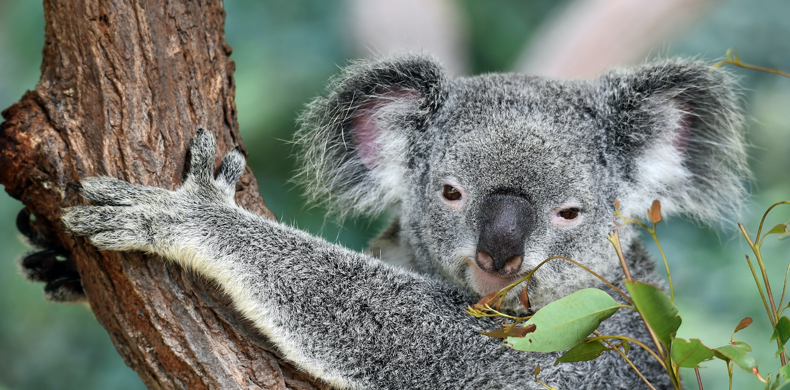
x=484 y=177
x=49 y=263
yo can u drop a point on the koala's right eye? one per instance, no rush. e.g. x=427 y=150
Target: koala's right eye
x=451 y=193
x=569 y=213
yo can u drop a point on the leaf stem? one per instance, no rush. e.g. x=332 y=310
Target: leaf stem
x=784 y=287
x=773 y=316
x=629 y=339
x=529 y=275
x=760 y=229
x=652 y=232
x=666 y=265
x=614 y=238
x=629 y=363
x=760 y=289
x=699 y=380
x=732 y=59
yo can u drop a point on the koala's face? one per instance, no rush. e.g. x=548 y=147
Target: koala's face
x=512 y=180
x=493 y=174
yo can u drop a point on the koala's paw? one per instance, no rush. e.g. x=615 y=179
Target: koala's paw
x=135 y=217
x=50 y=266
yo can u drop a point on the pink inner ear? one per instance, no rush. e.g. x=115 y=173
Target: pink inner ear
x=684 y=125
x=365 y=129
x=364 y=133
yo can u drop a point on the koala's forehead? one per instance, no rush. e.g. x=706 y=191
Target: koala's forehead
x=516 y=130
x=513 y=101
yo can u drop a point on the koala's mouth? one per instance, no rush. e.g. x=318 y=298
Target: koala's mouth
x=485 y=283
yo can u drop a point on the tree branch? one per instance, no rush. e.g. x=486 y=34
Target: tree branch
x=124 y=87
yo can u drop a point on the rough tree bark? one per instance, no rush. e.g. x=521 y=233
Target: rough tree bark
x=124 y=86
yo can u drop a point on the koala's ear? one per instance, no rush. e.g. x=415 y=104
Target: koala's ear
x=674 y=132
x=354 y=143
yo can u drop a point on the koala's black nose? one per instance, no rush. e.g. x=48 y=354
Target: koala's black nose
x=505 y=222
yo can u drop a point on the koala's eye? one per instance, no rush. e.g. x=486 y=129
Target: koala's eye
x=450 y=193
x=569 y=213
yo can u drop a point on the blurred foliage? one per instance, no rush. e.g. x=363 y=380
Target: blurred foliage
x=500 y=29
x=285 y=51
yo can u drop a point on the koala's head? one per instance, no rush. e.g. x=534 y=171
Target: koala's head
x=490 y=175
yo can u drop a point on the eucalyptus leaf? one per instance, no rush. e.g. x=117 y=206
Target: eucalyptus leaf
x=785 y=371
x=778 y=229
x=782 y=332
x=770 y=383
x=743 y=324
x=690 y=353
x=565 y=322
x=657 y=309
x=784 y=386
x=582 y=352
x=776 y=383
x=737 y=352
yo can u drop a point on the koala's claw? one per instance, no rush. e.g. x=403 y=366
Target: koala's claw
x=52 y=267
x=41 y=266
x=65 y=289
x=48 y=265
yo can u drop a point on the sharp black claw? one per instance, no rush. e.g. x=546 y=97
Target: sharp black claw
x=23 y=223
x=74 y=186
x=238 y=149
x=44 y=266
x=67 y=289
x=43 y=260
x=60 y=275
x=60 y=282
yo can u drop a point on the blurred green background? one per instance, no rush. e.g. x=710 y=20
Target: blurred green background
x=286 y=50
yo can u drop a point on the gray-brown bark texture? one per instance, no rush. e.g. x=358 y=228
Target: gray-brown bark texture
x=124 y=86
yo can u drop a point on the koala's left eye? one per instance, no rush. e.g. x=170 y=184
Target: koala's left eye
x=571 y=213
x=451 y=193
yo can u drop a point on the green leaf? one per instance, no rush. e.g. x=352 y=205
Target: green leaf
x=565 y=322
x=782 y=378
x=782 y=332
x=742 y=325
x=690 y=353
x=657 y=309
x=778 y=229
x=770 y=384
x=737 y=353
x=786 y=233
x=582 y=352
x=775 y=383
x=785 y=371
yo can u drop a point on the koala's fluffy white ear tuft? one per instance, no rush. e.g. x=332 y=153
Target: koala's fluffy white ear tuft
x=674 y=131
x=354 y=142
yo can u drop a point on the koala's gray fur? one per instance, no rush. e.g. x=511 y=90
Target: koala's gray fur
x=389 y=135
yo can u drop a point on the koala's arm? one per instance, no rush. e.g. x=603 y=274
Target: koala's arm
x=345 y=317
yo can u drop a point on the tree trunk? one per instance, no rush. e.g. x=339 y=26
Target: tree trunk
x=124 y=87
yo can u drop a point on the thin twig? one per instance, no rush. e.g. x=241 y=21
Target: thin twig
x=629 y=363
x=629 y=339
x=760 y=229
x=732 y=59
x=759 y=288
x=773 y=314
x=666 y=265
